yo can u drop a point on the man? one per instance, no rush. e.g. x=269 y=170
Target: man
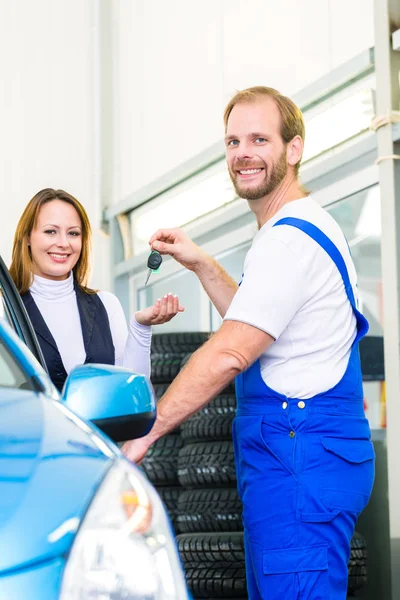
x=305 y=462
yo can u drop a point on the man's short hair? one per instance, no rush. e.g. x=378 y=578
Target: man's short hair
x=292 y=122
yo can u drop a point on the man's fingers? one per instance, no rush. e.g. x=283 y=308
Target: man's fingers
x=164 y=235
x=164 y=248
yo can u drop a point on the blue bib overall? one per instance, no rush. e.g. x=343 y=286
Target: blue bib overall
x=305 y=471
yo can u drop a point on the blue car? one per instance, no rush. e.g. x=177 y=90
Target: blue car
x=77 y=520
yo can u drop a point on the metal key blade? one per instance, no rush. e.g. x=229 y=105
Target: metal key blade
x=148 y=276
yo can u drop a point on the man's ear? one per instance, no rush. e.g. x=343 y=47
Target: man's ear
x=294 y=151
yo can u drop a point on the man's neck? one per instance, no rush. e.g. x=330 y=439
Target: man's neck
x=265 y=208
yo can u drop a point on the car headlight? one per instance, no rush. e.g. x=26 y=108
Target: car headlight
x=124 y=549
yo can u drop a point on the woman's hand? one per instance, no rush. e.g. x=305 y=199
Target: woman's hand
x=164 y=310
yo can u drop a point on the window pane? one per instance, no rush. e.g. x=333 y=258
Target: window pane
x=232 y=261
x=4 y=313
x=11 y=374
x=360 y=218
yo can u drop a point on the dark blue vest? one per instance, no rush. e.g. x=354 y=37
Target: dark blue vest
x=97 y=338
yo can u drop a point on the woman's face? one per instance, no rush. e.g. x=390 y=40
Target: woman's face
x=56 y=240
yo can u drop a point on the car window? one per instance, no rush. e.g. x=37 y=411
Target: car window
x=4 y=312
x=11 y=374
x=13 y=309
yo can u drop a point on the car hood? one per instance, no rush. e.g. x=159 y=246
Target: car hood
x=51 y=465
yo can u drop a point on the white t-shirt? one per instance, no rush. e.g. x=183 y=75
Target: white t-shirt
x=293 y=290
x=57 y=303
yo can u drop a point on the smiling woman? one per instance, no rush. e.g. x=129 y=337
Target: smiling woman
x=74 y=323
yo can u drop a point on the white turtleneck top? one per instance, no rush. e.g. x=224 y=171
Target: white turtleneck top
x=58 y=305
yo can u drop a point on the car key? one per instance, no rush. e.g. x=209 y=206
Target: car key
x=153 y=262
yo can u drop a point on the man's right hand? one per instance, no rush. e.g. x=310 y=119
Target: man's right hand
x=178 y=245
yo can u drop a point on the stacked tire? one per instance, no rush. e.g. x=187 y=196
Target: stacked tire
x=209 y=518
x=160 y=463
x=194 y=472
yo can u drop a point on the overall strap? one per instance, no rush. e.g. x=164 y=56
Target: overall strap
x=318 y=236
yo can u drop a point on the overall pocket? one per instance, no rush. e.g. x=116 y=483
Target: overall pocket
x=339 y=477
x=300 y=572
x=349 y=479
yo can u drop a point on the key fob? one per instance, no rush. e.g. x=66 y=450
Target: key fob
x=154 y=261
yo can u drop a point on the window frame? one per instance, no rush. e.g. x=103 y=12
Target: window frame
x=19 y=317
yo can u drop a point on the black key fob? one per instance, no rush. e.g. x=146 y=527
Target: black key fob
x=154 y=261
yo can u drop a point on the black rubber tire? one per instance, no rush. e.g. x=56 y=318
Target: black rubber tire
x=209 y=464
x=165 y=367
x=182 y=342
x=209 y=510
x=170 y=498
x=213 y=422
x=211 y=547
x=160 y=462
x=357 y=564
x=217 y=579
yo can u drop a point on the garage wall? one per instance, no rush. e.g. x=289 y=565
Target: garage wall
x=48 y=109
x=179 y=63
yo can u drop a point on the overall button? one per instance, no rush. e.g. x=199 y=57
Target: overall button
x=292 y=434
x=284 y=405
x=301 y=404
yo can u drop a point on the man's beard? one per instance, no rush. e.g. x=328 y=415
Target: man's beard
x=270 y=183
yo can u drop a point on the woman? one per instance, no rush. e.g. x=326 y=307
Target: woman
x=75 y=324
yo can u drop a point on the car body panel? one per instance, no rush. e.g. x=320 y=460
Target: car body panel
x=39 y=582
x=38 y=521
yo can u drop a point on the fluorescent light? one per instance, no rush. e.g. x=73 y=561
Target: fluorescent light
x=338 y=123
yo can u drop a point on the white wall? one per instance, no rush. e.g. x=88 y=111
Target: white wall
x=180 y=61
x=48 y=113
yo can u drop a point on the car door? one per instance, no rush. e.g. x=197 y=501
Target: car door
x=13 y=310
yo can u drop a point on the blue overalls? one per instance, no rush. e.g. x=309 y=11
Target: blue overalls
x=305 y=471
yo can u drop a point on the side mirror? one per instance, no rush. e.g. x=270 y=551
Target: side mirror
x=116 y=400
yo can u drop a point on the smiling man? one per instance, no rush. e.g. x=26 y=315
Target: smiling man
x=305 y=462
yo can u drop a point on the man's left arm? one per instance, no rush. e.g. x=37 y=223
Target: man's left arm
x=231 y=350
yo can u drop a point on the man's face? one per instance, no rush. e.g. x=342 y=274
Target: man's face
x=255 y=151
